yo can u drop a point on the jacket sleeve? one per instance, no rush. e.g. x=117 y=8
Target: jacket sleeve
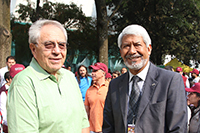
x=176 y=110
x=108 y=120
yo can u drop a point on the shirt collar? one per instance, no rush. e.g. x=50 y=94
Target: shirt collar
x=40 y=72
x=82 y=77
x=142 y=74
x=104 y=84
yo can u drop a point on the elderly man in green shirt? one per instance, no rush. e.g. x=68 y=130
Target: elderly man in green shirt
x=45 y=98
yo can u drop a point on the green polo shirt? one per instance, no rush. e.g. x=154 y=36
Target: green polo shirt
x=38 y=103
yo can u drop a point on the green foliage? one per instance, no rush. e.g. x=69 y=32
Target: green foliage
x=81 y=29
x=20 y=39
x=173 y=26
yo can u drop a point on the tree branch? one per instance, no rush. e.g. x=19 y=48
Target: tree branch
x=195 y=5
x=116 y=9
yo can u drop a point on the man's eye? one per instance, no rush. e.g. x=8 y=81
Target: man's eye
x=137 y=45
x=49 y=45
x=62 y=45
x=125 y=46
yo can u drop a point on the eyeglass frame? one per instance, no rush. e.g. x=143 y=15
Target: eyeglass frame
x=54 y=45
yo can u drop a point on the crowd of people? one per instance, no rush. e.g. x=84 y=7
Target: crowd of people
x=45 y=97
x=9 y=72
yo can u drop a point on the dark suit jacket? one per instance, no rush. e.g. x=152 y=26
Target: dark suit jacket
x=162 y=107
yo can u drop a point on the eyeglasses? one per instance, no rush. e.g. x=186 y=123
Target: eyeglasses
x=49 y=45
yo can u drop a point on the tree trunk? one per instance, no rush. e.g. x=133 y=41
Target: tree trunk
x=5 y=35
x=102 y=30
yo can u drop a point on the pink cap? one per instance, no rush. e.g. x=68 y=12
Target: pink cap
x=179 y=69
x=194 y=88
x=98 y=66
x=108 y=75
x=195 y=71
x=16 y=69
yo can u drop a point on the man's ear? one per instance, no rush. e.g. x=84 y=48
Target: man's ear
x=7 y=80
x=32 y=48
x=149 y=49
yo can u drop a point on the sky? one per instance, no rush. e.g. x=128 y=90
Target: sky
x=88 y=6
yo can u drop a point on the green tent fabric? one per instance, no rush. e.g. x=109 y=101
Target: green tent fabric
x=175 y=63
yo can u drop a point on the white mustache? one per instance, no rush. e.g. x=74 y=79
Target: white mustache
x=133 y=56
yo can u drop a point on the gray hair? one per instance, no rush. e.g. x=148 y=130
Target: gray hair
x=137 y=30
x=34 y=30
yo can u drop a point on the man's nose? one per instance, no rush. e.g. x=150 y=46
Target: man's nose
x=56 y=49
x=132 y=49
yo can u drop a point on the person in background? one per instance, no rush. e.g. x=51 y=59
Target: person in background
x=84 y=80
x=108 y=77
x=169 y=68
x=3 y=98
x=147 y=99
x=69 y=68
x=115 y=74
x=95 y=97
x=4 y=90
x=63 y=66
x=10 y=61
x=194 y=104
x=185 y=80
x=195 y=76
x=44 y=97
x=123 y=70
x=186 y=75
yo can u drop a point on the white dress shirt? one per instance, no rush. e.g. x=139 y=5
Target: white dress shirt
x=142 y=75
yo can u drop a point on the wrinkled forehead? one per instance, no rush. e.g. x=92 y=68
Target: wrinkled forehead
x=51 y=33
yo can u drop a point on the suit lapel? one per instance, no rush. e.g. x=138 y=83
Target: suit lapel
x=148 y=89
x=123 y=96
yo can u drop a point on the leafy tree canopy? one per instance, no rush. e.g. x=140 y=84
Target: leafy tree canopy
x=173 y=26
x=81 y=29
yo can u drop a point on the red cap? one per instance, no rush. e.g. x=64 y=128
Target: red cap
x=76 y=73
x=108 y=75
x=179 y=69
x=16 y=69
x=98 y=66
x=194 y=88
x=195 y=71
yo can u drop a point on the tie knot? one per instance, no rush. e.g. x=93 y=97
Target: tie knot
x=135 y=79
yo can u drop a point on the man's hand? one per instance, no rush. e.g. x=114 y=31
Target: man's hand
x=86 y=130
x=88 y=111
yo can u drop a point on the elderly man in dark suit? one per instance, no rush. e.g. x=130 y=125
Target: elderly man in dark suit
x=148 y=98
